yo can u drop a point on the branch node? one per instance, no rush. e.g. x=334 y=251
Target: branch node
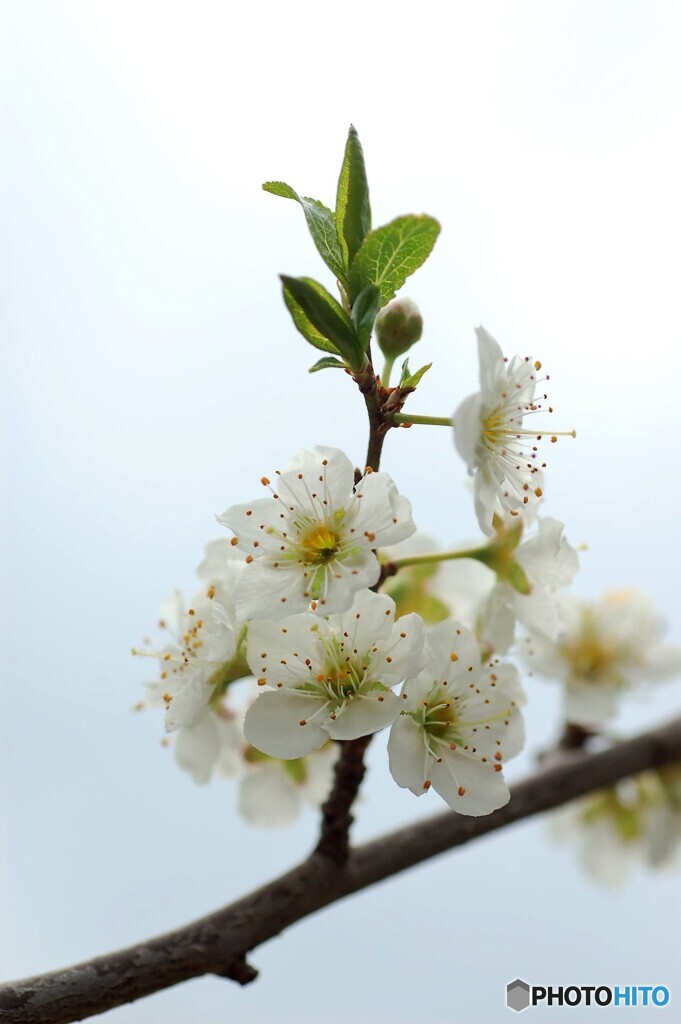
x=238 y=969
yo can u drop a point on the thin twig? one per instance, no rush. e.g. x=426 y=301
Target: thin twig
x=218 y=944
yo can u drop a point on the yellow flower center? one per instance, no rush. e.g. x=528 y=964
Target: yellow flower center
x=495 y=428
x=320 y=544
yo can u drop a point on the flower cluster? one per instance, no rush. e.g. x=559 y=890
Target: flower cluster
x=605 y=651
x=287 y=602
x=333 y=619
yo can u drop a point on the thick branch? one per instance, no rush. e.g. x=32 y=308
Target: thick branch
x=218 y=943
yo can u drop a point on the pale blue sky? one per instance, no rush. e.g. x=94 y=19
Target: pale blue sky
x=154 y=377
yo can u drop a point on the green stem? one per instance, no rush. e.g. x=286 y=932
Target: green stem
x=387 y=370
x=432 y=421
x=479 y=553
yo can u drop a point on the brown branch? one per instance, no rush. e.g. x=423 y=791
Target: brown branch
x=334 y=841
x=218 y=943
x=368 y=384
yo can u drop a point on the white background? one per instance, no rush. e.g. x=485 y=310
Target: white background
x=154 y=376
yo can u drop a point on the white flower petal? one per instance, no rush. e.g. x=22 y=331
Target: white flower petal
x=231 y=741
x=272 y=724
x=538 y=612
x=491 y=361
x=364 y=715
x=343 y=580
x=189 y=701
x=469 y=786
x=406 y=753
x=402 y=656
x=222 y=562
x=380 y=512
x=453 y=652
x=486 y=499
x=197 y=747
x=497 y=618
x=547 y=557
x=258 y=521
x=466 y=425
x=268 y=797
x=265 y=592
x=333 y=465
x=369 y=621
x=278 y=650
x=320 y=771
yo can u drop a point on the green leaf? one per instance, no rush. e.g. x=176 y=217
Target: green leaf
x=391 y=253
x=327 y=363
x=321 y=223
x=305 y=325
x=280 y=188
x=408 y=380
x=326 y=316
x=353 y=209
x=364 y=311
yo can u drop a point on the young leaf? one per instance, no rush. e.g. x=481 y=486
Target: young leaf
x=364 y=310
x=327 y=363
x=391 y=253
x=353 y=209
x=327 y=317
x=408 y=380
x=321 y=224
x=305 y=325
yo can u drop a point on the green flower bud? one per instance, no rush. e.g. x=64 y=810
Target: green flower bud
x=399 y=325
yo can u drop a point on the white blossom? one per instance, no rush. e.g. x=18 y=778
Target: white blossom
x=201 y=654
x=460 y=719
x=329 y=677
x=607 y=649
x=310 y=546
x=500 y=453
x=636 y=821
